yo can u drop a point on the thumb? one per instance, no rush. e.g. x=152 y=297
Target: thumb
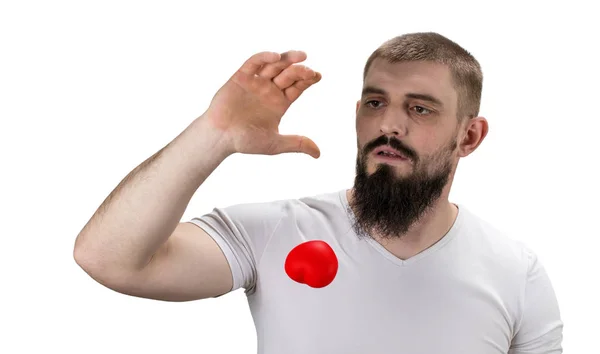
x=296 y=143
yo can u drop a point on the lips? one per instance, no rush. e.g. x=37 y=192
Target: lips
x=389 y=152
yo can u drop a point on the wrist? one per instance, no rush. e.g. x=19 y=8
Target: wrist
x=215 y=140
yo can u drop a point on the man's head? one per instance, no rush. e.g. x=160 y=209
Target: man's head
x=421 y=97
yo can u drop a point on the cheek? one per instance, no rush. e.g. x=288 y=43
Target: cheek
x=366 y=131
x=365 y=123
x=360 y=127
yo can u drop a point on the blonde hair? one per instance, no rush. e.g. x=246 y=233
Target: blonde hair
x=430 y=46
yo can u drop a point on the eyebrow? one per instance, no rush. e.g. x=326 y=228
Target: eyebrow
x=420 y=96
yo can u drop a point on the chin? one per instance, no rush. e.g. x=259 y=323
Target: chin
x=372 y=167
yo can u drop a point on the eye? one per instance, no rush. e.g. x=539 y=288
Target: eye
x=420 y=110
x=370 y=103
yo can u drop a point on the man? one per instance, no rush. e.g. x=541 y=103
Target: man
x=416 y=274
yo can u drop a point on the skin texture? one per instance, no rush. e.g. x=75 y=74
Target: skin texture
x=404 y=205
x=251 y=104
x=135 y=243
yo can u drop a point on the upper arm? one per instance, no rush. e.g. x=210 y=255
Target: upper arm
x=540 y=328
x=188 y=266
x=207 y=256
x=243 y=231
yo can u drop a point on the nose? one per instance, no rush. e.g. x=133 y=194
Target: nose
x=392 y=123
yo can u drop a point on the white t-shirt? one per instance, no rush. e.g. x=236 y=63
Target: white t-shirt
x=476 y=291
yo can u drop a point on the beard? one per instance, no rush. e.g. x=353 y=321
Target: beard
x=387 y=204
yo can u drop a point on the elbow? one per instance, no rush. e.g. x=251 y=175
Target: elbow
x=100 y=268
x=95 y=268
x=85 y=261
x=81 y=254
x=89 y=261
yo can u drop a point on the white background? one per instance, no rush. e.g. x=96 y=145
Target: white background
x=88 y=90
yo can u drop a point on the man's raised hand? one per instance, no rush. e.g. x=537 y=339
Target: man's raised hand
x=249 y=107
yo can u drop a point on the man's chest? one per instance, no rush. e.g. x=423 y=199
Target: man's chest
x=365 y=313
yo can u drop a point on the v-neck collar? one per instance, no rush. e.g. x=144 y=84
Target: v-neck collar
x=451 y=234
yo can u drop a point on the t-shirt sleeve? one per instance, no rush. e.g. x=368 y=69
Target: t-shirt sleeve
x=242 y=232
x=540 y=330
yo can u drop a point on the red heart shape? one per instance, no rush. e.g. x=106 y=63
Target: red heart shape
x=312 y=263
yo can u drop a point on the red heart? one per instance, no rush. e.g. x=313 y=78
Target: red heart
x=312 y=263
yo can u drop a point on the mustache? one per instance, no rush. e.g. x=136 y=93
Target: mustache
x=391 y=142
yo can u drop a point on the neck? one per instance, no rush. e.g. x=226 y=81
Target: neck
x=431 y=228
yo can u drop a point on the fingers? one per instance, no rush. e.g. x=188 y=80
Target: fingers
x=257 y=61
x=293 y=92
x=292 y=74
x=272 y=69
x=296 y=143
x=295 y=79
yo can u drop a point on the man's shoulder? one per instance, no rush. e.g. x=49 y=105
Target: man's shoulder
x=315 y=202
x=332 y=198
x=495 y=243
x=308 y=208
x=310 y=205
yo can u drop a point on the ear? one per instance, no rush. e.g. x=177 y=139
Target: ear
x=357 y=106
x=477 y=130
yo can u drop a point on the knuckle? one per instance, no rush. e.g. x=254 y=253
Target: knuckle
x=297 y=71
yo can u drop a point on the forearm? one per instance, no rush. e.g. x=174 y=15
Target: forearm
x=142 y=212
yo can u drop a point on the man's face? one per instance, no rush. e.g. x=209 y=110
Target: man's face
x=392 y=193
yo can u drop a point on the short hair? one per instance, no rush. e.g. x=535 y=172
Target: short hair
x=430 y=46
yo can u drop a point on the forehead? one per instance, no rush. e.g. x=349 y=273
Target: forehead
x=420 y=77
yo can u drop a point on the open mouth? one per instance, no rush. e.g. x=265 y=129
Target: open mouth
x=388 y=154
